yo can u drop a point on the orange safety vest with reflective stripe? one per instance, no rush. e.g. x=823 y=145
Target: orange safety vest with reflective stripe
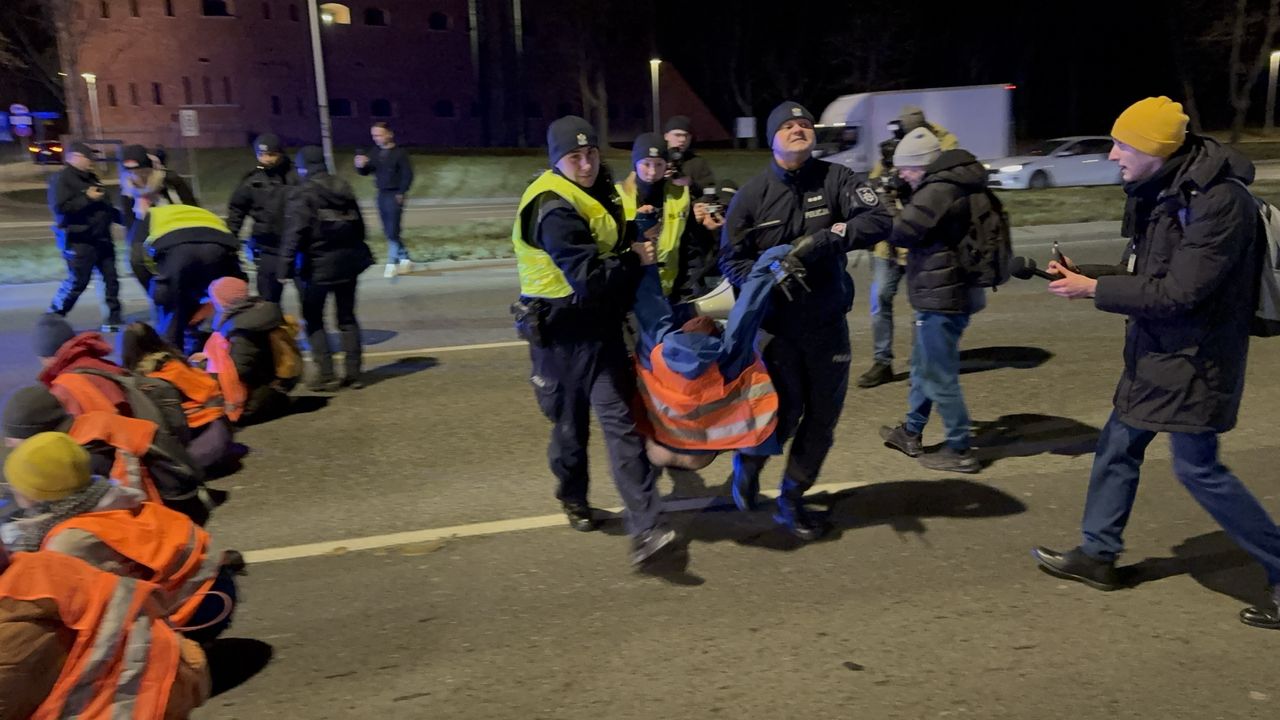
x=177 y=553
x=124 y=660
x=131 y=438
x=203 y=397
x=218 y=349
x=707 y=413
x=82 y=388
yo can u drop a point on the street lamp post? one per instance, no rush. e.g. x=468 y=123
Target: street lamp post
x=1271 y=90
x=653 y=82
x=91 y=81
x=322 y=90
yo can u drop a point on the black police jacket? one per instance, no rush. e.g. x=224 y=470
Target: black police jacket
x=324 y=233
x=79 y=219
x=778 y=207
x=262 y=195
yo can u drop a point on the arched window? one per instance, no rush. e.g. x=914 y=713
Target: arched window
x=438 y=21
x=376 y=17
x=335 y=14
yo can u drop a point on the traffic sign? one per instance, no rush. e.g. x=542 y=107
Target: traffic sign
x=22 y=130
x=190 y=122
x=18 y=109
x=20 y=120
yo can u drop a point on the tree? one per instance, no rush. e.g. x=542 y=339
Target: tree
x=43 y=39
x=1245 y=71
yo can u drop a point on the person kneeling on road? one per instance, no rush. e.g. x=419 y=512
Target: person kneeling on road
x=252 y=352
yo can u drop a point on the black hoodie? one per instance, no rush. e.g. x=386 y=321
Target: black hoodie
x=262 y=195
x=931 y=225
x=324 y=232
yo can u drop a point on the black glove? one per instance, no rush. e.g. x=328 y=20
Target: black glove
x=805 y=247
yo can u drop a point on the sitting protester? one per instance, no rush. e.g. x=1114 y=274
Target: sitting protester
x=62 y=352
x=705 y=390
x=65 y=654
x=252 y=351
x=144 y=352
x=63 y=507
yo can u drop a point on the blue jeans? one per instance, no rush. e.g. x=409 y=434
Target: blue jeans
x=885 y=277
x=935 y=377
x=390 y=212
x=1113 y=485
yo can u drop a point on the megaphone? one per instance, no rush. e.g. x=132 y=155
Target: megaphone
x=717 y=303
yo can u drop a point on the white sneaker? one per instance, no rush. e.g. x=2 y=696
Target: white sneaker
x=406 y=266
x=390 y=271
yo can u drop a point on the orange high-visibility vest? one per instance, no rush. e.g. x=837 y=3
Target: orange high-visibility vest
x=131 y=437
x=124 y=659
x=218 y=349
x=203 y=397
x=85 y=392
x=707 y=413
x=177 y=553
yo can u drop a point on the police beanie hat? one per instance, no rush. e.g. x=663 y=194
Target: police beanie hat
x=918 y=149
x=568 y=134
x=267 y=142
x=135 y=154
x=33 y=410
x=788 y=110
x=52 y=331
x=649 y=145
x=311 y=157
x=678 y=122
x=911 y=118
x=1155 y=126
x=48 y=466
x=82 y=148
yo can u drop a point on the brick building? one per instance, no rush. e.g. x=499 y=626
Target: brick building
x=444 y=73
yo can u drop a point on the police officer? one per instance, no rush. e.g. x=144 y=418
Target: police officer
x=324 y=245
x=824 y=212
x=261 y=195
x=578 y=278
x=83 y=215
x=188 y=248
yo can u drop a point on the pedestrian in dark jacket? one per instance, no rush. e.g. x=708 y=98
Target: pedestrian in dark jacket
x=82 y=219
x=1188 y=285
x=823 y=211
x=262 y=195
x=393 y=176
x=930 y=227
x=324 y=246
x=145 y=183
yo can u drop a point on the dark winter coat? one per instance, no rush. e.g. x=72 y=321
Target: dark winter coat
x=324 y=238
x=77 y=218
x=778 y=207
x=246 y=327
x=1195 y=252
x=262 y=195
x=931 y=226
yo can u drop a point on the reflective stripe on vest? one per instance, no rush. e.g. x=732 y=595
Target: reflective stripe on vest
x=707 y=413
x=675 y=218
x=122 y=662
x=539 y=276
x=131 y=438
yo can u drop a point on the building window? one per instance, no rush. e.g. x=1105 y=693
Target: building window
x=208 y=90
x=187 y=98
x=532 y=109
x=133 y=8
x=301 y=111
x=438 y=21
x=168 y=8
x=226 y=89
x=216 y=8
x=133 y=94
x=275 y=104
x=335 y=14
x=380 y=108
x=340 y=107
x=375 y=17
x=266 y=11
x=105 y=8
x=157 y=93
x=111 y=95
x=293 y=12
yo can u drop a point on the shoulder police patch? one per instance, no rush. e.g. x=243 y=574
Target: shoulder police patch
x=868 y=196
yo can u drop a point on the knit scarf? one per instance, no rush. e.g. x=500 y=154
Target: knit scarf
x=35 y=522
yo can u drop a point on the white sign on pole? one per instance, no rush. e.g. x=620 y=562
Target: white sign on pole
x=18 y=109
x=745 y=127
x=190 y=122
x=20 y=120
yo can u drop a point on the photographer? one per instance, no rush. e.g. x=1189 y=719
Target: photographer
x=686 y=167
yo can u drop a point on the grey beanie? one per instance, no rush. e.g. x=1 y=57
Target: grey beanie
x=918 y=149
x=52 y=331
x=34 y=410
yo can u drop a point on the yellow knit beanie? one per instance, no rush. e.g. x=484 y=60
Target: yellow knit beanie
x=48 y=466
x=1155 y=126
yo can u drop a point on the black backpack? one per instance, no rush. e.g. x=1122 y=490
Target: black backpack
x=986 y=252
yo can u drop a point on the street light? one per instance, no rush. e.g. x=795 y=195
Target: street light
x=322 y=91
x=92 y=81
x=653 y=76
x=1271 y=90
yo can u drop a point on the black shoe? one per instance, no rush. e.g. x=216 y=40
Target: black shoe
x=234 y=562
x=948 y=460
x=746 y=490
x=354 y=383
x=899 y=439
x=323 y=385
x=793 y=516
x=1265 y=615
x=579 y=514
x=647 y=545
x=879 y=374
x=1075 y=565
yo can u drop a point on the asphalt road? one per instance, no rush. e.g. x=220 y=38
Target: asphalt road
x=408 y=562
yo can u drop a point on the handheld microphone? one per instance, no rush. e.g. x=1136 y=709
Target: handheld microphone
x=1025 y=268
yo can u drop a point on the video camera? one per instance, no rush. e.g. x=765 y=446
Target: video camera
x=675 y=164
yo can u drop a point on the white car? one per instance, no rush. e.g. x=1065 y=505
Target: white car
x=1056 y=163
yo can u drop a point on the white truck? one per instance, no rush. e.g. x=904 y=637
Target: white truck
x=853 y=126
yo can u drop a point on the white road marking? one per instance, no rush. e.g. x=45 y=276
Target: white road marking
x=496 y=527
x=447 y=348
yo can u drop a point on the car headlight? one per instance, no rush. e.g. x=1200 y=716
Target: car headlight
x=1011 y=168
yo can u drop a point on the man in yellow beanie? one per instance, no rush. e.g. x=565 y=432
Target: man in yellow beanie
x=1187 y=283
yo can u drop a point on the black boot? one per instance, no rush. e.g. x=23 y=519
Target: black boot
x=353 y=352
x=1265 y=615
x=793 y=515
x=1075 y=565
x=879 y=374
x=323 y=380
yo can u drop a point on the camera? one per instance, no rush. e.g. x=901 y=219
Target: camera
x=675 y=164
x=711 y=201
